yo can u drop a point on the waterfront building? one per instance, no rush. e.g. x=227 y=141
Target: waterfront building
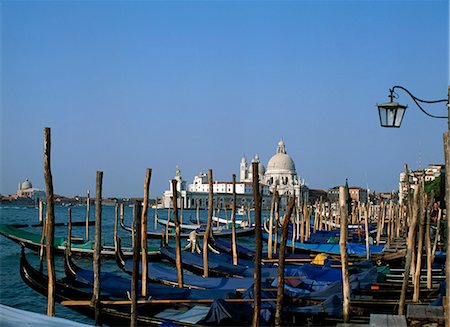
x=429 y=174
x=26 y=190
x=280 y=171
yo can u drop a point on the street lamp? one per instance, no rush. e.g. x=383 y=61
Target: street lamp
x=391 y=113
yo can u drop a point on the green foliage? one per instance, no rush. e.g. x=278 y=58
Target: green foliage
x=434 y=186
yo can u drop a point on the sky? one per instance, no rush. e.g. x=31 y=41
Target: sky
x=130 y=85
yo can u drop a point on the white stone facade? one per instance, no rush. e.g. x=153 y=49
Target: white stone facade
x=280 y=171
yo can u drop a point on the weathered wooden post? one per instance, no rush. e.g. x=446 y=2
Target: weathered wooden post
x=366 y=231
x=409 y=250
x=344 y=255
x=277 y=220
x=50 y=224
x=208 y=224
x=416 y=276
x=281 y=261
x=95 y=301
x=178 y=259
x=447 y=206
x=156 y=213
x=41 y=211
x=307 y=219
x=69 y=231
x=270 y=239
x=233 y=224
x=197 y=213
x=136 y=256
x=258 y=250
x=379 y=222
x=88 y=213
x=428 y=242
x=116 y=224
x=143 y=231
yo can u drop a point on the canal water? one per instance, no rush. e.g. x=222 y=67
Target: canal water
x=15 y=293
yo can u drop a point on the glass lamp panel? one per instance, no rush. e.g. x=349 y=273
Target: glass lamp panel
x=399 y=117
x=382 y=112
x=391 y=117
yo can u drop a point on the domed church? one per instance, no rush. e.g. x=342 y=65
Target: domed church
x=280 y=171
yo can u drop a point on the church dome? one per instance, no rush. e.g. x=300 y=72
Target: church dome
x=281 y=161
x=26 y=185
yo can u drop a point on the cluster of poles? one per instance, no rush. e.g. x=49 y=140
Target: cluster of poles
x=410 y=220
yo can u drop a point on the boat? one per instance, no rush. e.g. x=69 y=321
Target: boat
x=353 y=249
x=187 y=307
x=217 y=232
x=32 y=241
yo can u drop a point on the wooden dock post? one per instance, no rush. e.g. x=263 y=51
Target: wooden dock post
x=277 y=220
x=258 y=251
x=208 y=224
x=116 y=224
x=143 y=231
x=416 y=276
x=233 y=224
x=344 y=256
x=197 y=213
x=41 y=211
x=50 y=224
x=135 y=274
x=409 y=250
x=447 y=205
x=69 y=231
x=178 y=259
x=95 y=301
x=428 y=242
x=156 y=213
x=88 y=213
x=271 y=214
x=366 y=230
x=281 y=261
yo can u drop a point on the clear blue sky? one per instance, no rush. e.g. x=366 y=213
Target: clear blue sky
x=129 y=85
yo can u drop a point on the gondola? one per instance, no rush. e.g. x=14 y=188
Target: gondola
x=32 y=241
x=217 y=232
x=184 y=311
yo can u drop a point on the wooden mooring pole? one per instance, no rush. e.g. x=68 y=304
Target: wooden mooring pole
x=208 y=224
x=281 y=261
x=447 y=205
x=178 y=259
x=50 y=224
x=420 y=235
x=69 y=231
x=258 y=250
x=136 y=256
x=344 y=255
x=143 y=231
x=233 y=224
x=270 y=240
x=88 y=213
x=409 y=250
x=95 y=301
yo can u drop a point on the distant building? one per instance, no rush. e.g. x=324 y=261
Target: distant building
x=357 y=194
x=280 y=171
x=429 y=174
x=26 y=190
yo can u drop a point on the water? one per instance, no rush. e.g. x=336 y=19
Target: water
x=15 y=293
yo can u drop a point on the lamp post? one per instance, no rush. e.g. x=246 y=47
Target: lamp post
x=391 y=115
